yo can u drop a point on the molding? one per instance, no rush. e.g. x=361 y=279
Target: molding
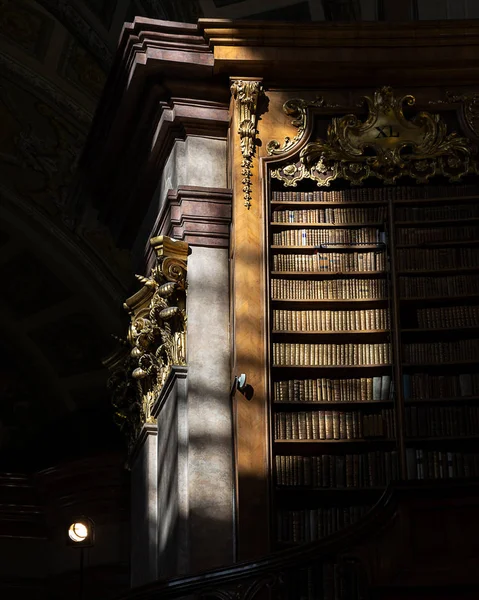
x=177 y=372
x=148 y=430
x=200 y=216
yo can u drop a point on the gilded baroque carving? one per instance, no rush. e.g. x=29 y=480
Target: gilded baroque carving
x=387 y=145
x=247 y=95
x=469 y=109
x=296 y=108
x=156 y=338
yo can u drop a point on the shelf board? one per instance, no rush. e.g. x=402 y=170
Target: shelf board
x=416 y=201
x=333 y=274
x=331 y=366
x=444 y=272
x=444 y=244
x=330 y=403
x=291 y=489
x=342 y=332
x=441 y=364
x=372 y=440
x=338 y=203
x=445 y=222
x=438 y=330
x=449 y=400
x=423 y=299
x=411 y=441
x=333 y=247
x=332 y=301
x=327 y=225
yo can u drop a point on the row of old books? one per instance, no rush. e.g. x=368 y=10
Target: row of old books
x=443 y=212
x=379 y=194
x=331 y=320
x=360 y=389
x=330 y=262
x=309 y=525
x=425 y=385
x=366 y=469
x=315 y=237
x=340 y=355
x=451 y=285
x=331 y=216
x=448 y=316
x=329 y=289
x=437 y=258
x=412 y=236
x=436 y=464
x=439 y=352
x=442 y=421
x=333 y=425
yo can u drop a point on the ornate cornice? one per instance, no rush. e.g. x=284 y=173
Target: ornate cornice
x=247 y=94
x=197 y=215
x=387 y=145
x=156 y=338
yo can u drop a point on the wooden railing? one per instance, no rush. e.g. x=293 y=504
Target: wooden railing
x=412 y=539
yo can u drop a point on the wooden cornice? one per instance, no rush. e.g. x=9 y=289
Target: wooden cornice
x=358 y=54
x=201 y=216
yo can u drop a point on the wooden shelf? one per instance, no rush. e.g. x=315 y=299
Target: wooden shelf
x=426 y=224
x=371 y=440
x=322 y=403
x=430 y=332
x=338 y=203
x=450 y=400
x=438 y=272
x=332 y=274
x=416 y=201
x=331 y=366
x=411 y=441
x=440 y=364
x=421 y=299
x=327 y=225
x=335 y=301
x=333 y=247
x=444 y=244
x=327 y=333
x=290 y=489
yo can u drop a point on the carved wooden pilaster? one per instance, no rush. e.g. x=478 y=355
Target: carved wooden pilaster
x=156 y=338
x=247 y=94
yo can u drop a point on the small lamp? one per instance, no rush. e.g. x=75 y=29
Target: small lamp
x=81 y=533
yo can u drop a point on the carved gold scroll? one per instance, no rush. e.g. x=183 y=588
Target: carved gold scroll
x=386 y=145
x=156 y=338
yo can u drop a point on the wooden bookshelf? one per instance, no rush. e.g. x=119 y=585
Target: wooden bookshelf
x=417 y=304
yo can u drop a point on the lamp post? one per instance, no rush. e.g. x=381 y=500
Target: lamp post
x=81 y=534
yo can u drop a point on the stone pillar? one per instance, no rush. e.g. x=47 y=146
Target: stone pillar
x=144 y=508
x=204 y=463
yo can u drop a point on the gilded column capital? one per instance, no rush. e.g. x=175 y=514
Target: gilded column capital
x=156 y=337
x=247 y=94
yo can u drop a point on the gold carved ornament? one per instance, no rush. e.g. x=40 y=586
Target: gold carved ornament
x=247 y=95
x=156 y=338
x=387 y=145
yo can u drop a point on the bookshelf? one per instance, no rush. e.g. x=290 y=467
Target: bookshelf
x=439 y=331
x=374 y=337
x=332 y=409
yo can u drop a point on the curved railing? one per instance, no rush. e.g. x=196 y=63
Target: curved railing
x=323 y=569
